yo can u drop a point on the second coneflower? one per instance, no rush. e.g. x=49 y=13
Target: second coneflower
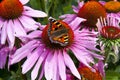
x=89 y=11
x=109 y=35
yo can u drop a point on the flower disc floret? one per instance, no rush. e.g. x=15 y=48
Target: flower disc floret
x=112 y=6
x=11 y=9
x=91 y=11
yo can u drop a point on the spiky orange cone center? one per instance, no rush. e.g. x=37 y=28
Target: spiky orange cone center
x=92 y=10
x=88 y=74
x=112 y=6
x=110 y=32
x=10 y=9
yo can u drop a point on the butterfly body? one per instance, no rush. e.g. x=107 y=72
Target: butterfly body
x=57 y=32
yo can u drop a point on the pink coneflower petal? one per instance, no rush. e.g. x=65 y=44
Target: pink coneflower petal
x=30 y=62
x=75 y=9
x=10 y=32
x=21 y=50
x=37 y=33
x=48 y=67
x=69 y=63
x=55 y=69
x=4 y=33
x=61 y=66
x=78 y=56
x=19 y=31
x=41 y=73
x=24 y=1
x=75 y=24
x=1 y=23
x=70 y=16
x=38 y=64
x=33 y=13
x=28 y=23
x=3 y=58
x=20 y=57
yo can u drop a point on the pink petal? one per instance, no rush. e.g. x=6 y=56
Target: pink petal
x=3 y=58
x=24 y=1
x=70 y=64
x=26 y=46
x=18 y=28
x=20 y=56
x=34 y=34
x=68 y=17
x=38 y=64
x=1 y=23
x=61 y=66
x=48 y=68
x=41 y=73
x=28 y=23
x=4 y=33
x=33 y=13
x=76 y=22
x=55 y=67
x=29 y=63
x=10 y=33
x=80 y=55
x=75 y=9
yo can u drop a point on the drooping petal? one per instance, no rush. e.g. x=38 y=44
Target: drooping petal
x=70 y=64
x=24 y=1
x=30 y=62
x=26 y=46
x=48 y=68
x=34 y=34
x=75 y=24
x=3 y=58
x=68 y=17
x=33 y=13
x=38 y=64
x=55 y=69
x=4 y=33
x=20 y=56
x=61 y=66
x=18 y=28
x=79 y=55
x=28 y=23
x=1 y=23
x=10 y=33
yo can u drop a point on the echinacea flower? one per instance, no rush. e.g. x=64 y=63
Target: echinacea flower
x=48 y=49
x=109 y=36
x=16 y=19
x=112 y=8
x=90 y=11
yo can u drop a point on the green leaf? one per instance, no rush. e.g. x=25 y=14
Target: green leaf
x=112 y=75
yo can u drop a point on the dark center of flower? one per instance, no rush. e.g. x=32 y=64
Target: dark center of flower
x=110 y=32
x=92 y=10
x=112 y=6
x=0 y=0
x=54 y=41
x=88 y=74
x=11 y=9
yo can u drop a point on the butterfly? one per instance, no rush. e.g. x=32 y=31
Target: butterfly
x=57 y=32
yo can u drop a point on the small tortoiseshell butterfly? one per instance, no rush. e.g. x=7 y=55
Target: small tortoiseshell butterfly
x=57 y=32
